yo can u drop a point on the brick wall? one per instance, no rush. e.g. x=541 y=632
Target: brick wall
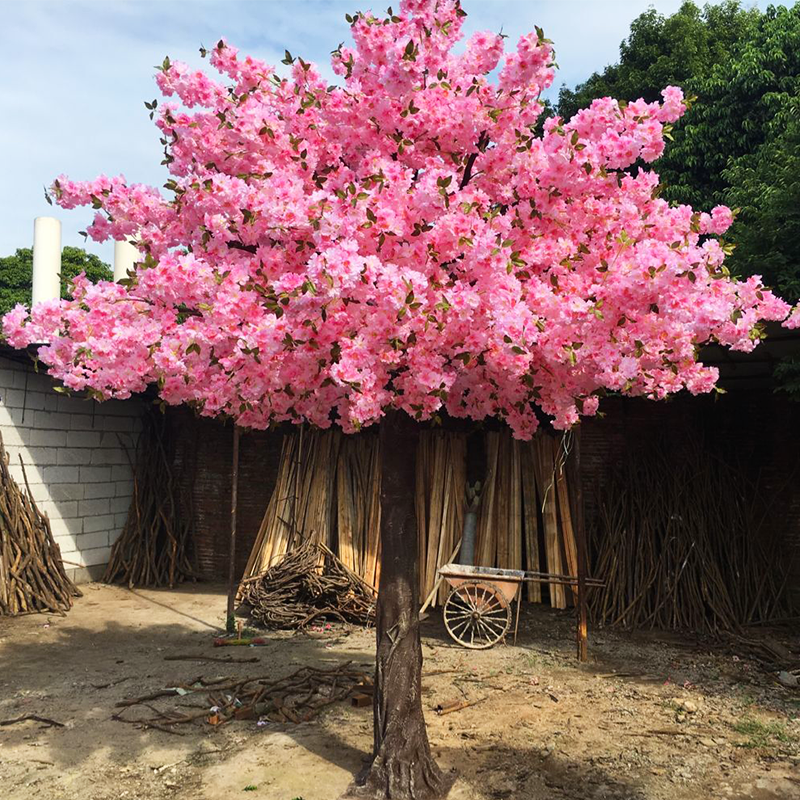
x=77 y=469
x=203 y=452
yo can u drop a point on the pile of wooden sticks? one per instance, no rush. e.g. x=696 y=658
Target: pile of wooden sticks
x=308 y=583
x=680 y=545
x=32 y=576
x=298 y=697
x=154 y=548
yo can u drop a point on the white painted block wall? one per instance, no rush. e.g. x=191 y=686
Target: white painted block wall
x=77 y=469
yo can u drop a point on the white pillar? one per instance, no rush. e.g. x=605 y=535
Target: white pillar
x=125 y=256
x=46 y=259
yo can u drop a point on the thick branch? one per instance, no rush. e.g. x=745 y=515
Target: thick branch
x=483 y=140
x=248 y=248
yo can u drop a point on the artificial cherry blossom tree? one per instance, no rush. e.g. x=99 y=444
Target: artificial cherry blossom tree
x=401 y=244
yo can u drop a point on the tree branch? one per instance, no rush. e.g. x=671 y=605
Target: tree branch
x=483 y=140
x=248 y=248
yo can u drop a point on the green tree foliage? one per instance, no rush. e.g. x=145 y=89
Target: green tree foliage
x=665 y=50
x=765 y=185
x=16 y=274
x=739 y=142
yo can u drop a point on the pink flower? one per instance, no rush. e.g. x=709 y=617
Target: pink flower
x=322 y=253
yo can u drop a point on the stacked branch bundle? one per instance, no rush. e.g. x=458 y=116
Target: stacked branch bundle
x=154 y=548
x=681 y=544
x=32 y=576
x=307 y=583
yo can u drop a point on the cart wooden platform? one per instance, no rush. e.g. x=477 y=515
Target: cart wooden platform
x=477 y=612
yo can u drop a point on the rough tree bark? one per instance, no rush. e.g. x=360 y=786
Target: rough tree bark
x=402 y=767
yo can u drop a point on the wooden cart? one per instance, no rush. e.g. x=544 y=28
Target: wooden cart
x=477 y=612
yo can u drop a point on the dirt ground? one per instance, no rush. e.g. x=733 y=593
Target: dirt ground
x=544 y=727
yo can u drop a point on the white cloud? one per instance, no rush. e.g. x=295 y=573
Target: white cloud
x=77 y=72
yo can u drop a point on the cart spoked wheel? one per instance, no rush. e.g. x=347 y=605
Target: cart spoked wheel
x=477 y=614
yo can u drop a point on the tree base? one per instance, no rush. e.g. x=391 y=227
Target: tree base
x=411 y=776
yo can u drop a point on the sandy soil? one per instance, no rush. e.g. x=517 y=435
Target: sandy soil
x=545 y=726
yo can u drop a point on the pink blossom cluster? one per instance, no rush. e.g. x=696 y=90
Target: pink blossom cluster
x=407 y=238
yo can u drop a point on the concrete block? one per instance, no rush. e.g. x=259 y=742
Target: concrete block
x=14 y=451
x=51 y=401
x=15 y=435
x=83 y=438
x=119 y=504
x=88 y=558
x=121 y=472
x=39 y=382
x=108 y=455
x=112 y=439
x=42 y=456
x=93 y=491
x=74 y=456
x=68 y=491
x=105 y=523
x=51 y=420
x=16 y=416
x=95 y=474
x=82 y=575
x=67 y=527
x=39 y=491
x=9 y=375
x=95 y=538
x=118 y=408
x=85 y=422
x=35 y=400
x=60 y=474
x=73 y=405
x=119 y=521
x=89 y=508
x=47 y=438
x=121 y=424
x=63 y=509
x=67 y=546
x=123 y=488
x=13 y=398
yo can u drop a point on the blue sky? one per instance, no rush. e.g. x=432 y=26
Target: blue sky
x=76 y=73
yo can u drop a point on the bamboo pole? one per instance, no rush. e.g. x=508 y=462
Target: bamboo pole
x=232 y=583
x=550 y=517
x=531 y=518
x=580 y=542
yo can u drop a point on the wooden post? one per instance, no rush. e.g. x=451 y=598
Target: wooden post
x=234 y=501
x=580 y=542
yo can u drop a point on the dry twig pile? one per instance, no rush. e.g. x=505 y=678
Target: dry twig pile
x=298 y=697
x=154 y=548
x=307 y=583
x=32 y=576
x=681 y=545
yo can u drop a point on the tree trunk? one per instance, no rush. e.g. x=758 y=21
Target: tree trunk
x=402 y=767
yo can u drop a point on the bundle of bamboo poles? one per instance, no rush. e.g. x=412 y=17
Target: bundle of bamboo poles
x=681 y=545
x=32 y=576
x=525 y=511
x=358 y=506
x=154 y=548
x=328 y=491
x=301 y=506
x=440 y=503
